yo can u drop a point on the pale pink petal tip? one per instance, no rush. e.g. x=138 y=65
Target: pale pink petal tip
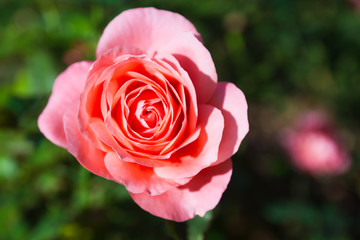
x=66 y=90
x=232 y=103
x=148 y=29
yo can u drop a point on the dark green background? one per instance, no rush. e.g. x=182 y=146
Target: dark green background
x=287 y=57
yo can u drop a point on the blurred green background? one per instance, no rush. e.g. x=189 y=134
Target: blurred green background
x=287 y=57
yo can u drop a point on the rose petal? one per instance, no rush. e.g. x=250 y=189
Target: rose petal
x=67 y=88
x=201 y=153
x=197 y=62
x=145 y=28
x=200 y=195
x=138 y=178
x=173 y=65
x=85 y=152
x=232 y=103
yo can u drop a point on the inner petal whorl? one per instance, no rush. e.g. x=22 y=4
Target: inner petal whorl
x=146 y=111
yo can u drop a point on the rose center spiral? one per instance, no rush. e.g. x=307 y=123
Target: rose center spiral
x=146 y=113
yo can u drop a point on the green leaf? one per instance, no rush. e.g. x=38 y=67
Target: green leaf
x=198 y=226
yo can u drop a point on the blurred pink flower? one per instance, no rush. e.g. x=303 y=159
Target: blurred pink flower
x=355 y=4
x=314 y=146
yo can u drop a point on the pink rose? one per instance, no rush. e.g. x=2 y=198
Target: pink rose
x=149 y=113
x=314 y=146
x=355 y=4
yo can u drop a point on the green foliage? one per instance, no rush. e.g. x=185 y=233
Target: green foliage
x=198 y=226
x=286 y=56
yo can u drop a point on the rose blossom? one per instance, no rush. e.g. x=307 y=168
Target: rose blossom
x=355 y=4
x=315 y=148
x=149 y=113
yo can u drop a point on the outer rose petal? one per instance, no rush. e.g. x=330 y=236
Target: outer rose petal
x=85 y=152
x=201 y=153
x=148 y=29
x=232 y=103
x=138 y=178
x=196 y=60
x=66 y=89
x=200 y=195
